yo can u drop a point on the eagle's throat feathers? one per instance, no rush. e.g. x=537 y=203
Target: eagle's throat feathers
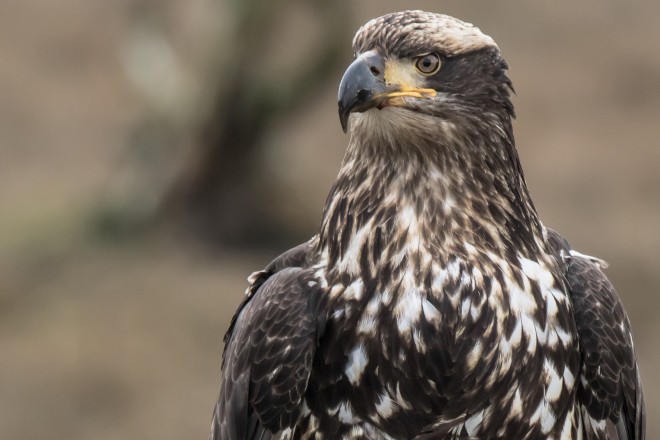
x=452 y=189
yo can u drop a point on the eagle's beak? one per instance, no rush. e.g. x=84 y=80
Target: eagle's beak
x=364 y=86
x=364 y=79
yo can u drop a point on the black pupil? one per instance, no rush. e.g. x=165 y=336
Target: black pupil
x=428 y=63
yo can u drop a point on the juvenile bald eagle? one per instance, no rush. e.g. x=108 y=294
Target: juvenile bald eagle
x=433 y=303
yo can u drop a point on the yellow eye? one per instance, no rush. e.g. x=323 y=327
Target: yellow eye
x=428 y=64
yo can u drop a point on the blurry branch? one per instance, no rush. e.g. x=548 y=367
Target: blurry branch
x=217 y=195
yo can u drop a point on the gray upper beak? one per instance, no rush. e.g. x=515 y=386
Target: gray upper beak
x=363 y=79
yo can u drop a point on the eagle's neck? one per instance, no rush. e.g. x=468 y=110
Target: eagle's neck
x=449 y=194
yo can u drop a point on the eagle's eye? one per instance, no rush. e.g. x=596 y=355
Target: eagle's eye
x=428 y=64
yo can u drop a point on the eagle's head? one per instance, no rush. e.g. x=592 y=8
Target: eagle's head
x=430 y=127
x=425 y=72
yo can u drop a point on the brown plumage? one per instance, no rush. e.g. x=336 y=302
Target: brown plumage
x=433 y=303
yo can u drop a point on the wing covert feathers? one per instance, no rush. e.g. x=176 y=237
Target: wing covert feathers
x=268 y=354
x=610 y=386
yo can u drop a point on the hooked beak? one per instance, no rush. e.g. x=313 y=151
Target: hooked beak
x=364 y=86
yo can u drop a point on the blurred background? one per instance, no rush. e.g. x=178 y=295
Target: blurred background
x=154 y=153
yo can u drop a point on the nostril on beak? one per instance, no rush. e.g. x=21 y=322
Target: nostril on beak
x=363 y=95
x=374 y=70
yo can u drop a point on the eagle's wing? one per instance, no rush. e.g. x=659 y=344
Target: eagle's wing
x=268 y=352
x=294 y=257
x=609 y=385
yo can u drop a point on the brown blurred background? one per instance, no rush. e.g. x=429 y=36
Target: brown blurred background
x=154 y=153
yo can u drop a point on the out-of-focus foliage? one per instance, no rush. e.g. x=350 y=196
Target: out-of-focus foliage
x=266 y=77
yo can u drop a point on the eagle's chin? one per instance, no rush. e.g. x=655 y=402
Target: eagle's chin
x=399 y=126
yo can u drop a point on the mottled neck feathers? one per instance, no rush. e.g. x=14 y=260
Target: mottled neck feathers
x=451 y=193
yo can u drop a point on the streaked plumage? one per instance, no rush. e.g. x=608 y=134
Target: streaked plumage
x=433 y=303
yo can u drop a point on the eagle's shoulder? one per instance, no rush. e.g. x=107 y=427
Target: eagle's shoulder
x=269 y=349
x=298 y=256
x=609 y=386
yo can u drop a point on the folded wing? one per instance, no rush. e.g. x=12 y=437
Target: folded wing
x=268 y=354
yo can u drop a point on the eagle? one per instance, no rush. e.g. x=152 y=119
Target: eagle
x=433 y=303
